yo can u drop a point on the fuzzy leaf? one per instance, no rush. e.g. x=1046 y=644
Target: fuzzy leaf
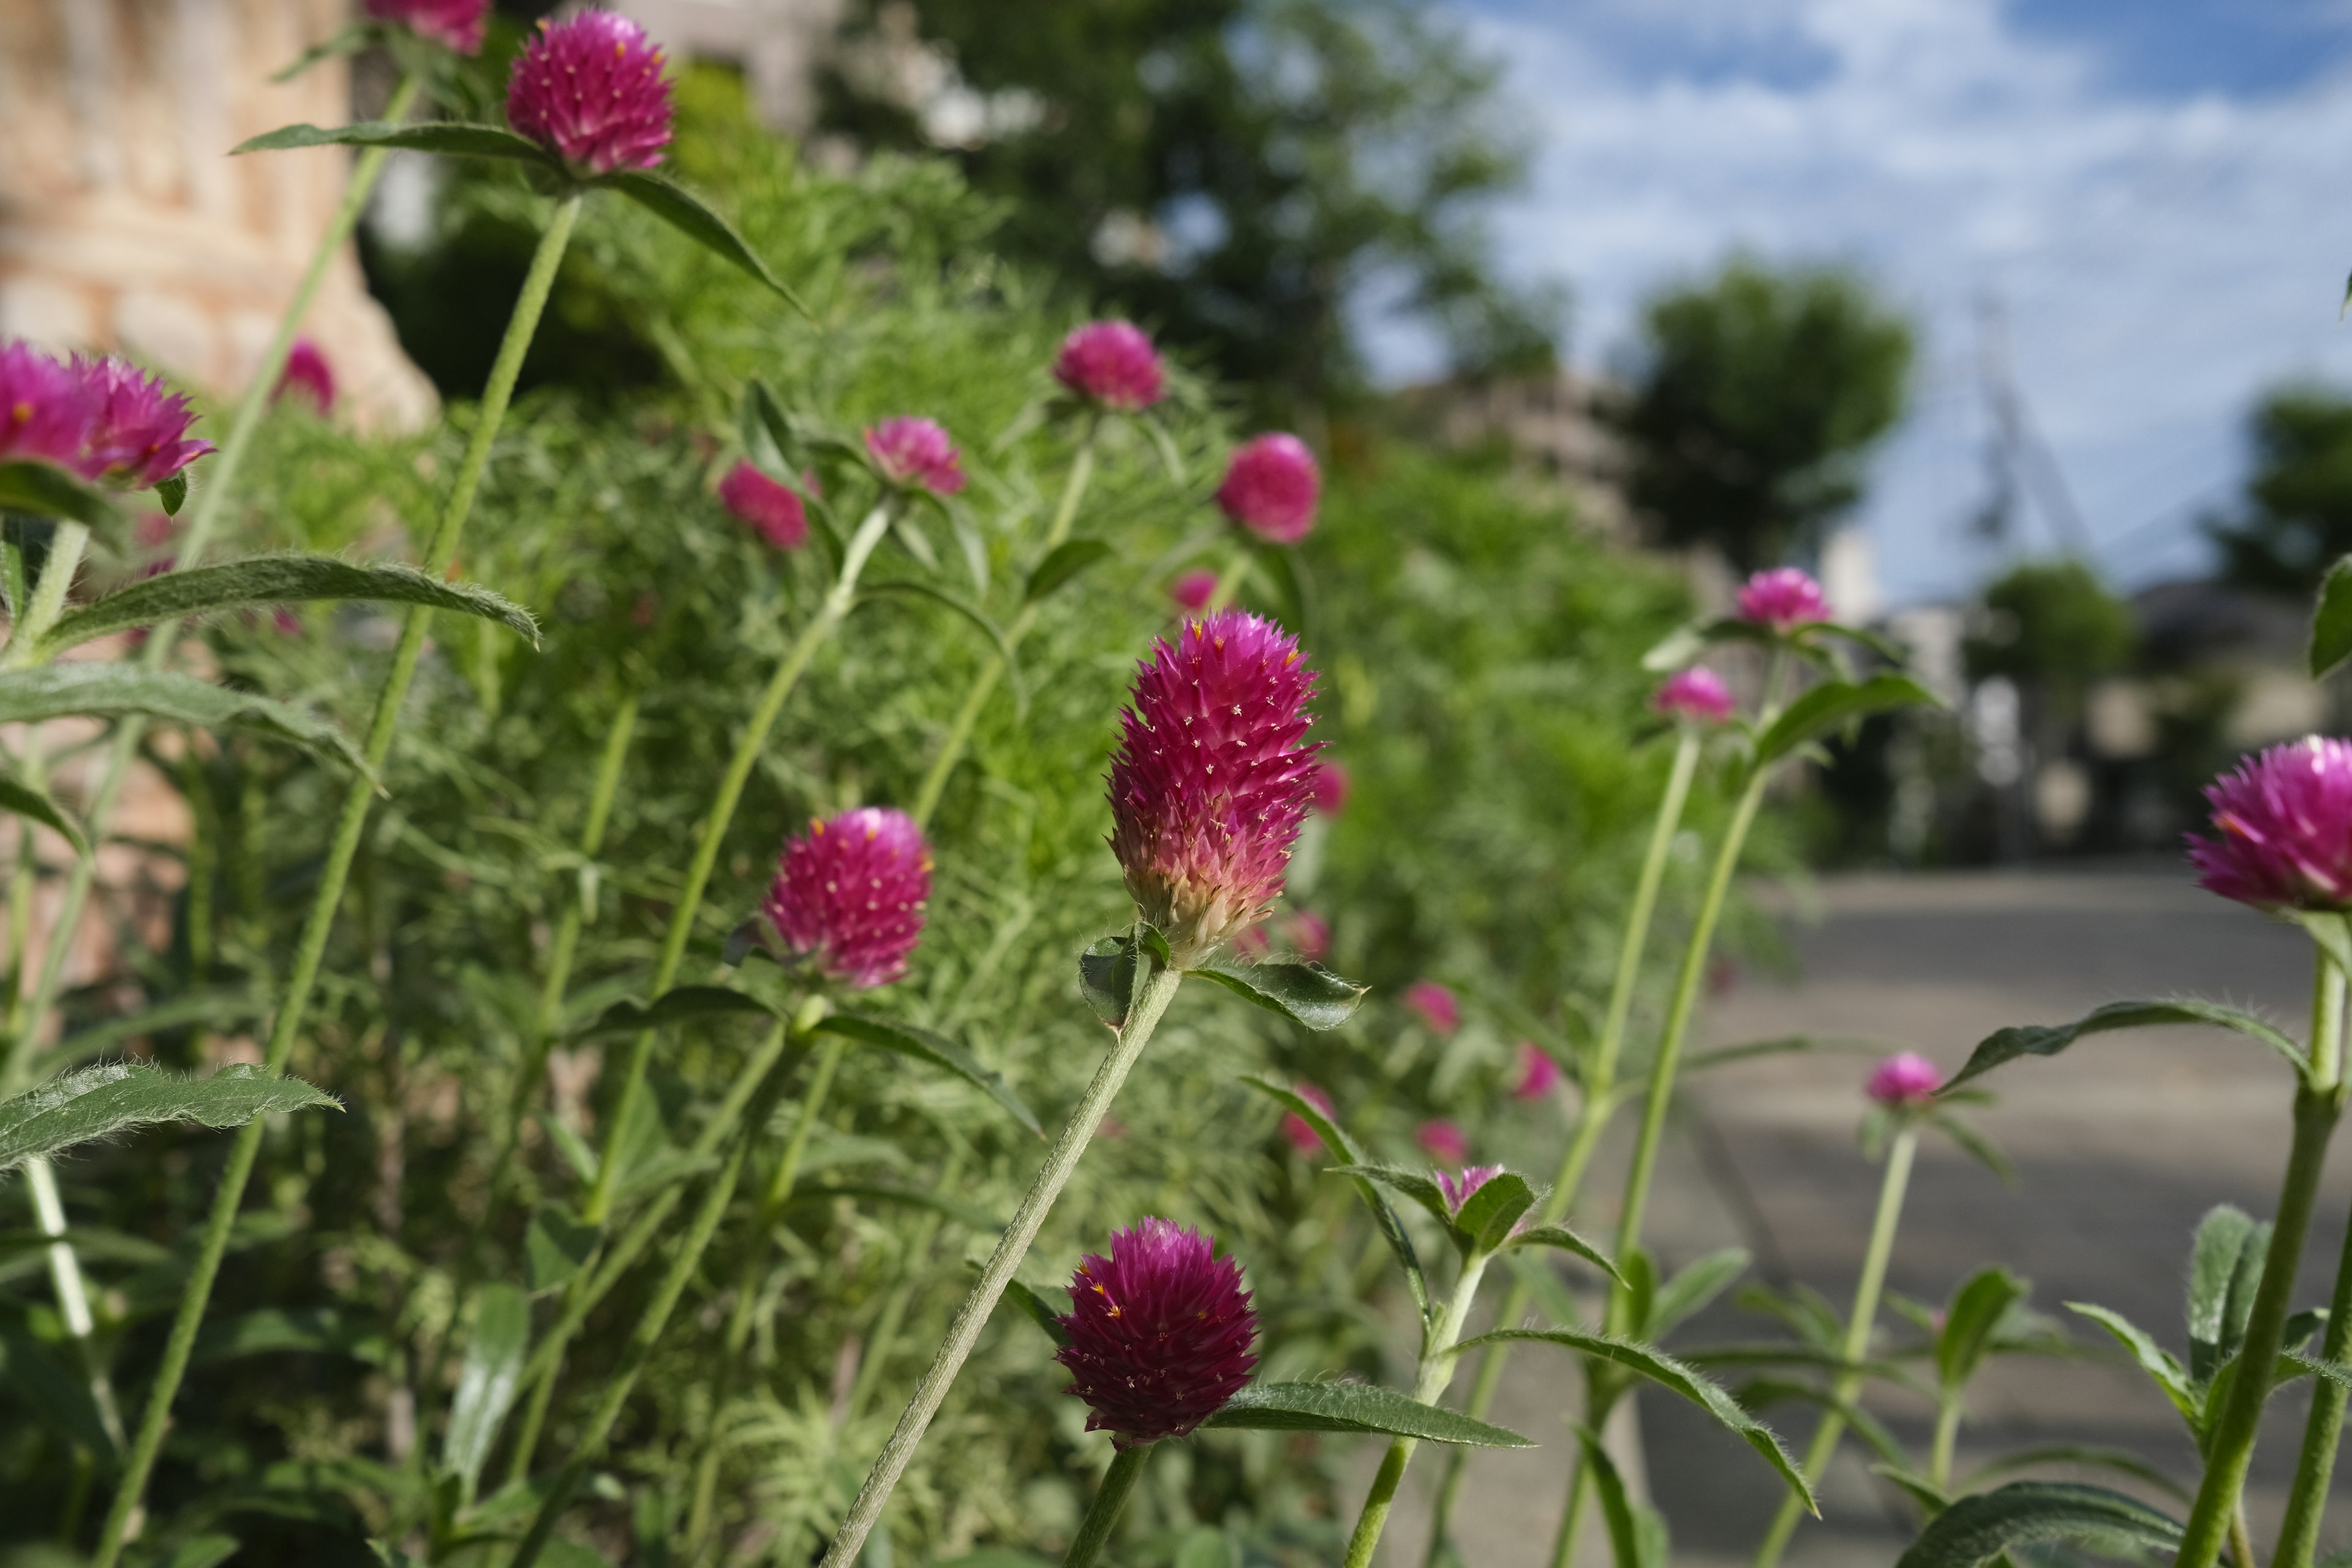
x=172 y=494
x=1488 y=1214
x=1067 y=559
x=1979 y=1529
x=1335 y=1138
x=685 y=212
x=2331 y=620
x=1114 y=970
x=2225 y=1265
x=1978 y=1308
x=923 y=1046
x=2090 y=1455
x=1411 y=1185
x=21 y=799
x=1566 y=1240
x=486 y=1382
x=2153 y=1359
x=1697 y=1283
x=111 y=690
x=1637 y=1533
x=43 y=490
x=557 y=1246
x=2048 y=1039
x=1306 y=993
x=97 y=1102
x=1355 y=1407
x=677 y=1007
x=1834 y=703
x=446 y=138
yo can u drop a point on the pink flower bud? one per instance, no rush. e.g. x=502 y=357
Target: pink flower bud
x=915 y=454
x=1211 y=778
x=1783 y=599
x=307 y=373
x=1193 y=590
x=1697 y=695
x=852 y=892
x=47 y=408
x=1443 y=1142
x=1160 y=1333
x=1437 y=1007
x=1332 y=782
x=456 y=23
x=137 y=436
x=591 y=90
x=1304 y=1138
x=2284 y=828
x=1308 y=934
x=1110 y=364
x=772 y=509
x=1457 y=1189
x=1908 y=1080
x=1271 y=488
x=1539 y=1074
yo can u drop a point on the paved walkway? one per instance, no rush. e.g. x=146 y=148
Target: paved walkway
x=2120 y=1146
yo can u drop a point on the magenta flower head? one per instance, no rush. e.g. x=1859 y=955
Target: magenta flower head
x=591 y=91
x=772 y=509
x=1457 y=1189
x=307 y=373
x=1436 y=1007
x=456 y=23
x=915 y=454
x=1906 y=1082
x=1211 y=778
x=1443 y=1142
x=138 y=434
x=1271 y=488
x=46 y=408
x=1193 y=590
x=1112 y=366
x=1332 y=782
x=1697 y=695
x=1783 y=599
x=852 y=892
x=1539 y=1074
x=2283 y=825
x=1303 y=1137
x=1160 y=1333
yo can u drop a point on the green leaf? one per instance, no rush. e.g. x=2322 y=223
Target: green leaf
x=557 y=1246
x=2091 y=1456
x=43 y=490
x=1067 y=560
x=1335 y=1138
x=111 y=690
x=446 y=138
x=96 y=1102
x=1763 y=1393
x=1974 y=1144
x=1411 y=1185
x=2331 y=620
x=1637 y=1535
x=956 y=602
x=172 y=493
x=923 y=1046
x=1699 y=1282
x=1932 y=1499
x=1834 y=703
x=202 y=1552
x=1114 y=970
x=2048 y=1039
x=60 y=1399
x=1040 y=1310
x=681 y=1006
x=1354 y=1407
x=1488 y=1214
x=486 y=1382
x=1678 y=648
x=2153 y=1359
x=685 y=212
x=319 y=1330
x=1306 y=993
x=2225 y=1265
x=1970 y=1321
x=1566 y=1240
x=275 y=580
x=1979 y=1529
x=1658 y=1367
x=21 y=799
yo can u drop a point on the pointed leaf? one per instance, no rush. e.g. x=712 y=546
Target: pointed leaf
x=486 y=1382
x=1041 y=1311
x=2153 y=1358
x=1634 y=1541
x=96 y=1102
x=42 y=489
x=923 y=1046
x=1411 y=1185
x=1761 y=1394
x=1931 y=1498
x=172 y=494
x=685 y=212
x=1112 y=975
x=1697 y=1283
x=1067 y=560
x=2090 y=1455
x=273 y=1331
x=21 y=799
x=2296 y=1366
x=1566 y=1240
x=111 y=690
x=2049 y=1040
x=2331 y=620
x=1336 y=1139
x=2225 y=1265
x=1306 y=993
x=1978 y=1308
x=557 y=1246
x=1354 y=1407
x=275 y=580
x=446 y=138
x=1977 y=1529
x=1834 y=703
x=1488 y=1214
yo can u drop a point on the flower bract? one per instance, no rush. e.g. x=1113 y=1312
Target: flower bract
x=1271 y=488
x=1111 y=364
x=2282 y=828
x=1161 y=1334
x=591 y=90
x=851 y=892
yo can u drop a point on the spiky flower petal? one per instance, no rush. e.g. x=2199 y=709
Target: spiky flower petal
x=2284 y=828
x=852 y=892
x=1160 y=1333
x=915 y=454
x=1211 y=778
x=591 y=91
x=774 y=513
x=1111 y=364
x=1434 y=1004
x=1783 y=599
x=456 y=23
x=1908 y=1079
x=47 y=407
x=1539 y=1074
x=1696 y=694
x=1271 y=488
x=307 y=373
x=138 y=436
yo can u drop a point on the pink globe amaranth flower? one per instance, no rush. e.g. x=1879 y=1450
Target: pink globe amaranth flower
x=1160 y=1332
x=1211 y=778
x=47 y=408
x=1193 y=590
x=1696 y=694
x=456 y=23
x=915 y=454
x=1908 y=1079
x=774 y=513
x=1308 y=934
x=1783 y=599
x=1539 y=1074
x=1458 y=1188
x=1304 y=1138
x=1112 y=364
x=1271 y=488
x=2283 y=825
x=307 y=373
x=852 y=892
x=138 y=436
x=1441 y=1141
x=1436 y=1007
x=1332 y=782
x=591 y=91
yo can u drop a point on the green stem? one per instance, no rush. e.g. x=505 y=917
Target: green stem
x=1229 y=580
x=1572 y=1516
x=963 y=1333
x=975 y=701
x=1949 y=1410
x=1858 y=1323
x=72 y=1293
x=1436 y=1372
x=311 y=948
x=1111 y=1502
x=1599 y=1090
x=64 y=560
x=837 y=603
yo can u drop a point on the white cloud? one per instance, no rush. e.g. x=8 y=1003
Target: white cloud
x=2159 y=260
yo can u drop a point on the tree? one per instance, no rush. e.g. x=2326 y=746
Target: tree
x=2052 y=624
x=1752 y=402
x=2297 y=516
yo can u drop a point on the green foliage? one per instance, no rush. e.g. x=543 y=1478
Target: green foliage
x=92 y=1103
x=2052 y=623
x=2296 y=520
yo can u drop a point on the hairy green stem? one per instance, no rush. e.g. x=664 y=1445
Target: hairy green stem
x=1436 y=1372
x=311 y=949
x=963 y=1333
x=1949 y=1410
x=1847 y=1386
x=57 y=570
x=1111 y=1502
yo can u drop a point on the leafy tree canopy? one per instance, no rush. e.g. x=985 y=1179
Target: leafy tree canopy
x=2051 y=621
x=2296 y=520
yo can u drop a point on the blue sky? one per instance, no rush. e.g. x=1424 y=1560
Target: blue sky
x=2158 y=192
